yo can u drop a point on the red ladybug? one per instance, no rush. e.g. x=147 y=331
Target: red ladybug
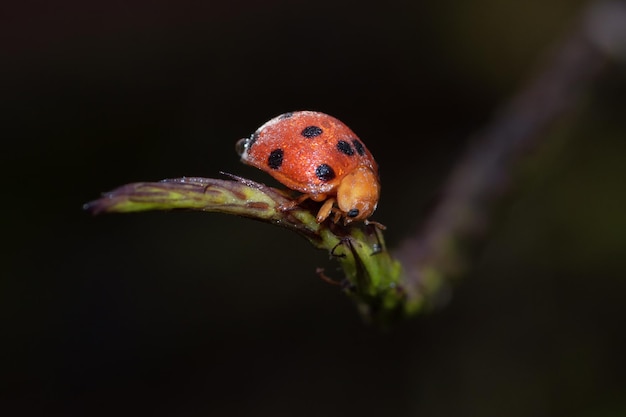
x=318 y=155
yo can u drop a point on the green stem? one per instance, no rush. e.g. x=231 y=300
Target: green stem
x=372 y=277
x=387 y=287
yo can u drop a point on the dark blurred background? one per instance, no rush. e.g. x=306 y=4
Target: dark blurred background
x=189 y=314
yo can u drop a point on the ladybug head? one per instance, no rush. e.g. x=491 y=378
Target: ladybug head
x=357 y=194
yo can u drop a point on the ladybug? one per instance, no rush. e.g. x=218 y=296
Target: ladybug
x=318 y=155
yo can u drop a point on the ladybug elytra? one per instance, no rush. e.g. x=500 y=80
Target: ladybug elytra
x=318 y=155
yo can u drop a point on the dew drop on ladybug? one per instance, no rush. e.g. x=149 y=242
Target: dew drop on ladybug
x=318 y=155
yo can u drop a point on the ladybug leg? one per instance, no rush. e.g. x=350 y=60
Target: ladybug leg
x=337 y=215
x=325 y=210
x=294 y=203
x=378 y=226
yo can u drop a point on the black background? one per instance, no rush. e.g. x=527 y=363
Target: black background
x=189 y=314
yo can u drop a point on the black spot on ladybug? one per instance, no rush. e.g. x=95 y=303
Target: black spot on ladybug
x=275 y=160
x=345 y=148
x=311 y=131
x=324 y=172
x=285 y=115
x=353 y=213
x=360 y=149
